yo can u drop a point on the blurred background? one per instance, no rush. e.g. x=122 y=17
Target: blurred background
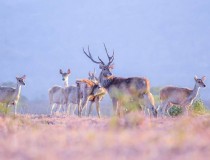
x=165 y=41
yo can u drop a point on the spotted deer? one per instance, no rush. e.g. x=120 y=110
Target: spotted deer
x=10 y=95
x=183 y=97
x=119 y=89
x=57 y=94
x=90 y=92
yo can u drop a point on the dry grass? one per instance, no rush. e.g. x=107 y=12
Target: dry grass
x=134 y=137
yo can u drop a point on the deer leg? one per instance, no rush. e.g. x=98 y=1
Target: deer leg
x=159 y=111
x=15 y=107
x=59 y=108
x=120 y=110
x=149 y=103
x=98 y=107
x=186 y=107
x=115 y=105
x=84 y=109
x=90 y=108
x=52 y=108
x=65 y=107
x=84 y=104
x=185 y=110
x=74 y=108
x=62 y=110
x=164 y=108
x=68 y=109
x=79 y=107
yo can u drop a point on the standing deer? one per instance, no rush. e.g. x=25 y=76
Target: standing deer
x=92 y=92
x=57 y=94
x=183 y=97
x=79 y=94
x=68 y=96
x=9 y=95
x=119 y=89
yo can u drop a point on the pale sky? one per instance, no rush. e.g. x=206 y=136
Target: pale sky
x=166 y=41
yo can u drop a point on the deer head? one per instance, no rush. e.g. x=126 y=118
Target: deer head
x=200 y=82
x=104 y=67
x=92 y=76
x=65 y=75
x=20 y=80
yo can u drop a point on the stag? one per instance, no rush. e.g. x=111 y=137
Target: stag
x=9 y=95
x=183 y=97
x=123 y=89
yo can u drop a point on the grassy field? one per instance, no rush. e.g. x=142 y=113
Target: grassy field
x=133 y=137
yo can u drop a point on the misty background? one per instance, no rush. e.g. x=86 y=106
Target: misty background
x=165 y=41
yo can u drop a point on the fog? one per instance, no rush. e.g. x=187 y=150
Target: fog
x=165 y=41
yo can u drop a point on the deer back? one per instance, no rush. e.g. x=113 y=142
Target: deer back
x=174 y=94
x=7 y=94
x=134 y=86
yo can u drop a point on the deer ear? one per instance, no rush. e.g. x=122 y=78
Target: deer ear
x=69 y=71
x=61 y=72
x=195 y=77
x=111 y=66
x=203 y=78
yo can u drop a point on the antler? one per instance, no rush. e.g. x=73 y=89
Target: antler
x=111 y=58
x=91 y=58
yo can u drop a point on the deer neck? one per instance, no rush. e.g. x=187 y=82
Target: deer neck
x=18 y=90
x=104 y=81
x=66 y=83
x=195 y=92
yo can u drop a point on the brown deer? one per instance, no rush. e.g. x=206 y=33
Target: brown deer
x=90 y=91
x=119 y=89
x=183 y=97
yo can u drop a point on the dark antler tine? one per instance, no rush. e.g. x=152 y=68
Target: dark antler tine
x=111 y=58
x=106 y=50
x=86 y=53
x=90 y=56
x=101 y=60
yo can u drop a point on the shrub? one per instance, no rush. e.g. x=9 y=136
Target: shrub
x=198 y=107
x=3 y=109
x=175 y=111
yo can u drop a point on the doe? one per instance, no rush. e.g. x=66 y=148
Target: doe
x=183 y=97
x=10 y=95
x=57 y=95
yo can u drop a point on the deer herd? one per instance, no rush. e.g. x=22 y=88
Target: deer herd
x=122 y=91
